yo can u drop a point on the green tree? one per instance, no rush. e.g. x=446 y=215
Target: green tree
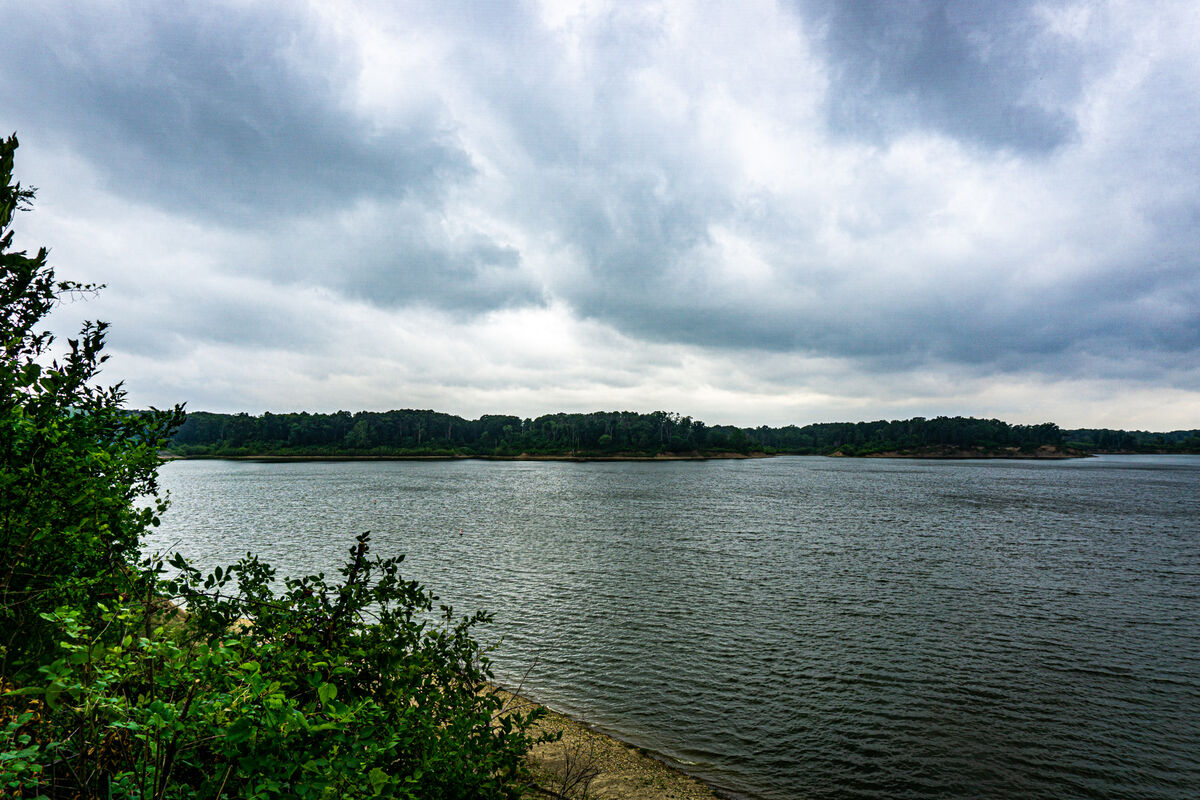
x=72 y=461
x=359 y=436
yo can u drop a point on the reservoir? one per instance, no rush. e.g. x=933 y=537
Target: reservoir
x=792 y=627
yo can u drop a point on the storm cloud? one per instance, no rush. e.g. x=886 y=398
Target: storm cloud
x=232 y=111
x=993 y=74
x=773 y=212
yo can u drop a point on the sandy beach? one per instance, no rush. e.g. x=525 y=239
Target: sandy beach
x=591 y=764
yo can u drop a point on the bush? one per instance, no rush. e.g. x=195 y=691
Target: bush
x=109 y=688
x=257 y=694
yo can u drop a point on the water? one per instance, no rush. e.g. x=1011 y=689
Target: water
x=795 y=627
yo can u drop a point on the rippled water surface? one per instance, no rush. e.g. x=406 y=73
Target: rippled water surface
x=795 y=627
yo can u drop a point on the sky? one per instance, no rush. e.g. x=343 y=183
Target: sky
x=750 y=213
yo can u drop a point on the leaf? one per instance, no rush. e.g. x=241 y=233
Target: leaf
x=378 y=779
x=52 y=694
x=327 y=692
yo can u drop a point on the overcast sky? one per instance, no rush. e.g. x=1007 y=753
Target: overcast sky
x=750 y=212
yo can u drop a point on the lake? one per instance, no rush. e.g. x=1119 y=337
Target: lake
x=793 y=627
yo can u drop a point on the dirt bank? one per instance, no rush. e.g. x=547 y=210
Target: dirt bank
x=585 y=760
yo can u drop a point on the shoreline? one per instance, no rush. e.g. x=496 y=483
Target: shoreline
x=962 y=455
x=522 y=457
x=607 y=767
x=1045 y=452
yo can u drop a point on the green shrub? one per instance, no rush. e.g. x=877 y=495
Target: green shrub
x=322 y=690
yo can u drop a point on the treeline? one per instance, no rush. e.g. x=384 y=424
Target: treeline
x=916 y=434
x=1106 y=440
x=617 y=433
x=413 y=432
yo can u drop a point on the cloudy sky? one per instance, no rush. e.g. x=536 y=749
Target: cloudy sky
x=751 y=212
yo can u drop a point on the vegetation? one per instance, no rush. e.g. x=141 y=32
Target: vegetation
x=624 y=433
x=917 y=435
x=432 y=433
x=1105 y=440
x=309 y=688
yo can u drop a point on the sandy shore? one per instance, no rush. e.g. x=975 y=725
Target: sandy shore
x=588 y=763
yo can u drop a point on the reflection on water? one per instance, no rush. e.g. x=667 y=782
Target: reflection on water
x=795 y=627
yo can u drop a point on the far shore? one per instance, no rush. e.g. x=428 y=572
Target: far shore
x=1044 y=453
x=522 y=457
x=950 y=452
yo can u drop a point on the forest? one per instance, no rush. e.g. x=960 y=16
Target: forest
x=412 y=432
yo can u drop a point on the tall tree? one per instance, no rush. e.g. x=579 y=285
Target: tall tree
x=72 y=462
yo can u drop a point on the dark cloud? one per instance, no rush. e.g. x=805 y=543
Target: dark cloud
x=1000 y=326
x=641 y=215
x=1003 y=307
x=976 y=71
x=240 y=116
x=228 y=111
x=405 y=268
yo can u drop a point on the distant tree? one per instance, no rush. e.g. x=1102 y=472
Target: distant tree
x=359 y=436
